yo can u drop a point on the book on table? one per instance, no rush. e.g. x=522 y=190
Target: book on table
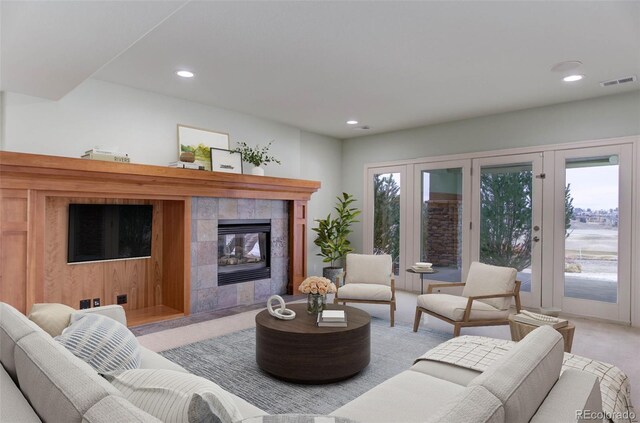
x=333 y=315
x=332 y=321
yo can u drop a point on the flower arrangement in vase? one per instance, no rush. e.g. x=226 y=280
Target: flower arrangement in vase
x=316 y=288
x=257 y=156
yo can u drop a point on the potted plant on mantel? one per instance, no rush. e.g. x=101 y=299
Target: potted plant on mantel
x=257 y=156
x=332 y=236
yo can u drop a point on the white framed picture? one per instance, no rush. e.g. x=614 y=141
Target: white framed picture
x=199 y=141
x=223 y=160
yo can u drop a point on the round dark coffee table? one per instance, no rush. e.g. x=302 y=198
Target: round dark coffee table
x=299 y=351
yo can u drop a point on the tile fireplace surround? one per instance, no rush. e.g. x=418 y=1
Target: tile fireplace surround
x=206 y=295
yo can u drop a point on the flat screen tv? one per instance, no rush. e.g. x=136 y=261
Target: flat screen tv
x=100 y=232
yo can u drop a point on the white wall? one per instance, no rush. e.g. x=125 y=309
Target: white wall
x=143 y=124
x=603 y=117
x=321 y=160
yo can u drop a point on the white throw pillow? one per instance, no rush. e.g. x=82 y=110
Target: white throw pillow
x=53 y=318
x=176 y=397
x=101 y=342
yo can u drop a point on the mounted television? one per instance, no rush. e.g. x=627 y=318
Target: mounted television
x=99 y=232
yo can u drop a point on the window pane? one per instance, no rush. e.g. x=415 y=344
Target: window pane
x=386 y=217
x=506 y=218
x=591 y=238
x=441 y=235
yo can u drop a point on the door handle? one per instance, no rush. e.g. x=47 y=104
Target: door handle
x=536 y=239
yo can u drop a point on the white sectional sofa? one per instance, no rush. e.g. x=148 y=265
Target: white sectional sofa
x=41 y=381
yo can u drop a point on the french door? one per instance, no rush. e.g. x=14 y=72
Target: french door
x=441 y=211
x=507 y=218
x=561 y=217
x=385 y=216
x=592 y=242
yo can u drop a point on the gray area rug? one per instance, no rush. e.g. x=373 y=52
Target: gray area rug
x=230 y=362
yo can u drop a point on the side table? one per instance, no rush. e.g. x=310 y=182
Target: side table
x=519 y=330
x=422 y=273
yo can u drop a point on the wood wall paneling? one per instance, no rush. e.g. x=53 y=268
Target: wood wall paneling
x=35 y=191
x=297 y=245
x=14 y=208
x=140 y=279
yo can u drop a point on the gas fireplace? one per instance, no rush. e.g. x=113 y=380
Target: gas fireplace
x=244 y=250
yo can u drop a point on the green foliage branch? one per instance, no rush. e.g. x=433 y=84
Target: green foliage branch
x=386 y=217
x=257 y=155
x=505 y=230
x=332 y=233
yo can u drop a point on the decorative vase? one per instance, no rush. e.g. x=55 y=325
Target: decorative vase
x=316 y=303
x=333 y=274
x=257 y=171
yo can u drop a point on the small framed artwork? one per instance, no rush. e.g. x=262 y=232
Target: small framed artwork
x=223 y=160
x=199 y=142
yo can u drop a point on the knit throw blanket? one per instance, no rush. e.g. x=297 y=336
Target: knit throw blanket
x=478 y=352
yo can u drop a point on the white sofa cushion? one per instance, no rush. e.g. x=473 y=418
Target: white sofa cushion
x=13 y=405
x=484 y=279
x=453 y=307
x=368 y=268
x=59 y=386
x=450 y=372
x=523 y=377
x=152 y=360
x=575 y=390
x=102 y=342
x=113 y=409
x=365 y=291
x=473 y=405
x=13 y=327
x=407 y=397
x=176 y=397
x=53 y=318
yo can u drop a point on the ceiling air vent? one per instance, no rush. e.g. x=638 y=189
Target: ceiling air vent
x=618 y=81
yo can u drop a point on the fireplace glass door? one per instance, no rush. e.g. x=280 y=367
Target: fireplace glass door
x=243 y=251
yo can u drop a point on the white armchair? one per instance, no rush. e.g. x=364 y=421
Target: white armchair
x=368 y=279
x=485 y=299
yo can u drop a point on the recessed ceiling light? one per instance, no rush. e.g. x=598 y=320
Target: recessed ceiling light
x=185 y=74
x=572 y=78
x=352 y=122
x=566 y=66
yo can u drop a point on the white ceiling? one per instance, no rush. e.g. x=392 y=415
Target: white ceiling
x=315 y=64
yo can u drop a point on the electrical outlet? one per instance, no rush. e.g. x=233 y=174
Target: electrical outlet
x=121 y=299
x=85 y=304
x=96 y=302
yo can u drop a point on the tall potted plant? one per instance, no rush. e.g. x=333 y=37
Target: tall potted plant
x=257 y=156
x=332 y=235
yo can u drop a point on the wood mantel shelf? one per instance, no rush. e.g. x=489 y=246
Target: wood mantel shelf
x=35 y=191
x=35 y=171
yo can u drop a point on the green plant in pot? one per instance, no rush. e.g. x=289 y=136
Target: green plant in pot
x=257 y=156
x=332 y=235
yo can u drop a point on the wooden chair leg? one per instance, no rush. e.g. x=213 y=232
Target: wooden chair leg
x=392 y=309
x=456 y=330
x=335 y=300
x=416 y=321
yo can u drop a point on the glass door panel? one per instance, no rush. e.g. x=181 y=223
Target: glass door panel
x=441 y=218
x=591 y=232
x=593 y=276
x=506 y=213
x=508 y=210
x=386 y=216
